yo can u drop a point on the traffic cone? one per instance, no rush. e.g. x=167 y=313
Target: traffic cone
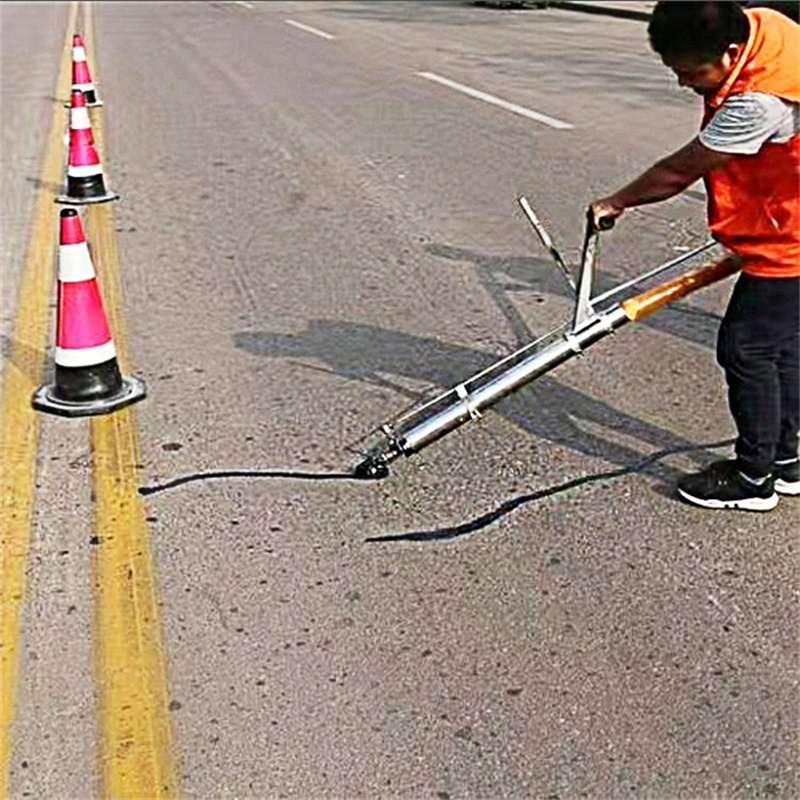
x=80 y=126
x=81 y=79
x=84 y=171
x=87 y=377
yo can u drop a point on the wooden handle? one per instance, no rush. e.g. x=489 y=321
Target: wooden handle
x=647 y=302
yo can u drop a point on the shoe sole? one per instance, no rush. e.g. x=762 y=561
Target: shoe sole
x=748 y=504
x=787 y=487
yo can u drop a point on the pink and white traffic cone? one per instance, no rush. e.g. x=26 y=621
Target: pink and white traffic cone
x=87 y=376
x=81 y=78
x=80 y=126
x=85 y=183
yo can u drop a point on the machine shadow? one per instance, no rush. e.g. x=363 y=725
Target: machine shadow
x=547 y=408
x=538 y=275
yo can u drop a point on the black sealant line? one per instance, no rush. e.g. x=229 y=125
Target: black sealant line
x=506 y=507
x=441 y=534
x=244 y=473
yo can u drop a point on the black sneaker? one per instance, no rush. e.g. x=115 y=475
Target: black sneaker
x=722 y=485
x=787 y=476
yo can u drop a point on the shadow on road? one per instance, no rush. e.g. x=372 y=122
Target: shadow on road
x=535 y=274
x=28 y=360
x=55 y=188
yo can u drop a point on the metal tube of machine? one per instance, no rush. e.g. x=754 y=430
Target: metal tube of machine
x=412 y=436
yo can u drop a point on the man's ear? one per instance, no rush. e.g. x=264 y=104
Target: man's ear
x=734 y=51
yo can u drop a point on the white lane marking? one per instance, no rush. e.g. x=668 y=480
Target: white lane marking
x=309 y=29
x=490 y=98
x=246 y=5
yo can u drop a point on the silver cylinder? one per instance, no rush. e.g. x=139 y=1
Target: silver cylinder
x=469 y=399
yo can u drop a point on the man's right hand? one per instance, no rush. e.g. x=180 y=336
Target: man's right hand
x=604 y=213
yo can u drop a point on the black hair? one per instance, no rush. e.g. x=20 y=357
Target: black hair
x=704 y=30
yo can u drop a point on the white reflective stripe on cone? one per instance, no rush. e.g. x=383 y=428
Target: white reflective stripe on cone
x=86 y=356
x=85 y=171
x=79 y=118
x=74 y=263
x=79 y=54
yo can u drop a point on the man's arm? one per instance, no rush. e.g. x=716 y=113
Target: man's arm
x=664 y=179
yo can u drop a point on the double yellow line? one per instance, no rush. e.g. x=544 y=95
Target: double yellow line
x=137 y=756
x=19 y=423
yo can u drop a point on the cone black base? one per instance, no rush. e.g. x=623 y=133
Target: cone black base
x=46 y=398
x=89 y=189
x=86 y=384
x=92 y=104
x=87 y=185
x=66 y=199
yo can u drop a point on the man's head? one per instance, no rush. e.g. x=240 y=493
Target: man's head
x=699 y=41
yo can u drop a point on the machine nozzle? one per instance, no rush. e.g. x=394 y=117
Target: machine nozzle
x=372 y=468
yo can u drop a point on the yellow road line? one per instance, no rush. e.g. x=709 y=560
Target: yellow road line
x=136 y=749
x=137 y=755
x=19 y=423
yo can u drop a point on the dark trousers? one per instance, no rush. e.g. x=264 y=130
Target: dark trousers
x=759 y=349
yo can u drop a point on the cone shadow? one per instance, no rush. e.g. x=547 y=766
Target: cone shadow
x=54 y=188
x=26 y=359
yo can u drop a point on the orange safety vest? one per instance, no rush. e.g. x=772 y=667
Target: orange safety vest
x=754 y=200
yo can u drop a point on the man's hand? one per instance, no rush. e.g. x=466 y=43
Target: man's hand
x=603 y=213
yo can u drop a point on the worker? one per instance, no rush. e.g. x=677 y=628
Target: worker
x=745 y=63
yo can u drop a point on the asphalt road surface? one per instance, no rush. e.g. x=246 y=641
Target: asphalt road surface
x=313 y=233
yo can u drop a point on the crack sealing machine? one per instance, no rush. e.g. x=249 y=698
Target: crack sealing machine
x=593 y=319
